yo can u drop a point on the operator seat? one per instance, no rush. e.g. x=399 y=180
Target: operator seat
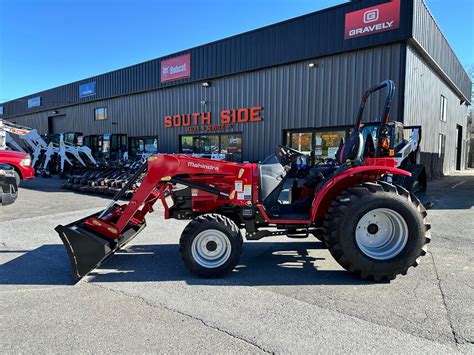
x=351 y=150
x=369 y=149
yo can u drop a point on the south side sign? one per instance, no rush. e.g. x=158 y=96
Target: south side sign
x=375 y=19
x=202 y=121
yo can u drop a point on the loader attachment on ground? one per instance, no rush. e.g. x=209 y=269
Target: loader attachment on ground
x=91 y=240
x=87 y=249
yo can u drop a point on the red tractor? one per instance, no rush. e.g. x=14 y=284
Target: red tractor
x=372 y=228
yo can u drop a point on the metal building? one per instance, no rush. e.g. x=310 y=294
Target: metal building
x=297 y=82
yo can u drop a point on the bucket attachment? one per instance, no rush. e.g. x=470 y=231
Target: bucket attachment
x=87 y=249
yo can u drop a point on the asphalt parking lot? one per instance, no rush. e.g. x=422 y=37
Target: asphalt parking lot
x=286 y=295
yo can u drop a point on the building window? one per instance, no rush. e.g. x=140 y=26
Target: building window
x=441 y=145
x=139 y=145
x=101 y=113
x=327 y=143
x=302 y=141
x=1 y=110
x=443 y=107
x=207 y=144
x=320 y=144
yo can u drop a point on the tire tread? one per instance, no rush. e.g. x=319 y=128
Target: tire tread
x=338 y=209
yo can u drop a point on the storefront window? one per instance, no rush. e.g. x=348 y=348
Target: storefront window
x=302 y=142
x=229 y=144
x=317 y=143
x=140 y=145
x=327 y=143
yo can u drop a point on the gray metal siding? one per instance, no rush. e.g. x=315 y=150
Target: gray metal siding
x=314 y=35
x=427 y=33
x=293 y=96
x=423 y=91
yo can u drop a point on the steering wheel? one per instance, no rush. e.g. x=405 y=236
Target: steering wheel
x=326 y=161
x=287 y=154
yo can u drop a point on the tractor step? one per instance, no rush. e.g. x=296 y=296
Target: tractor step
x=87 y=249
x=297 y=233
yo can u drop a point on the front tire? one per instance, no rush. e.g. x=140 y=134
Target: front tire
x=210 y=246
x=377 y=230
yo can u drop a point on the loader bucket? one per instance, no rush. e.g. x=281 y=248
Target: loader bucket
x=87 y=249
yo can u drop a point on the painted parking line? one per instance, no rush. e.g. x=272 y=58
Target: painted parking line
x=458 y=184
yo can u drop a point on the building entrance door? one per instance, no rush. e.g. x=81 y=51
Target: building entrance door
x=458 y=147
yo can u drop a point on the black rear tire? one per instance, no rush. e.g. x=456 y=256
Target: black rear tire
x=220 y=234
x=17 y=179
x=350 y=207
x=319 y=235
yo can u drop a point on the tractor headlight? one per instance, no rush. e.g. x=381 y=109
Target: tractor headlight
x=26 y=161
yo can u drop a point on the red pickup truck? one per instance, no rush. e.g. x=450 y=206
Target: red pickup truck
x=20 y=162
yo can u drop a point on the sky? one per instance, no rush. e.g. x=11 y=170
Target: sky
x=47 y=43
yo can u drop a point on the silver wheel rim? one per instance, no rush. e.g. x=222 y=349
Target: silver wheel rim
x=211 y=248
x=381 y=234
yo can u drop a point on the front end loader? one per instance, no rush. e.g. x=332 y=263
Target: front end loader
x=374 y=229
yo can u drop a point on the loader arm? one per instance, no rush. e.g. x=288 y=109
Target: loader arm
x=162 y=168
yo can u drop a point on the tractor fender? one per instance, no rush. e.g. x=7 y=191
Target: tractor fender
x=332 y=188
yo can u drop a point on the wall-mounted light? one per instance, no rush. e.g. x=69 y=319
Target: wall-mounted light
x=206 y=84
x=203 y=102
x=312 y=65
x=55 y=112
x=114 y=123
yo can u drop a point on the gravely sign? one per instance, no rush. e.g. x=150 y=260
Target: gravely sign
x=375 y=19
x=202 y=121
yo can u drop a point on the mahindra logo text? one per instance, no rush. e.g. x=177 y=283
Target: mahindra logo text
x=367 y=29
x=202 y=166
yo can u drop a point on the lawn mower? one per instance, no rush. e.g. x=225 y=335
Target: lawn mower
x=373 y=228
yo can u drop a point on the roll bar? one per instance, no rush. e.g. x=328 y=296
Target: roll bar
x=390 y=85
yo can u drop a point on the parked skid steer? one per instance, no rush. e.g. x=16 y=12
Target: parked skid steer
x=372 y=228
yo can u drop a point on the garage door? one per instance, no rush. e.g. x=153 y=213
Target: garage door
x=58 y=124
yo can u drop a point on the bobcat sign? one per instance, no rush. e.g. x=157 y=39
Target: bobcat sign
x=375 y=19
x=176 y=68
